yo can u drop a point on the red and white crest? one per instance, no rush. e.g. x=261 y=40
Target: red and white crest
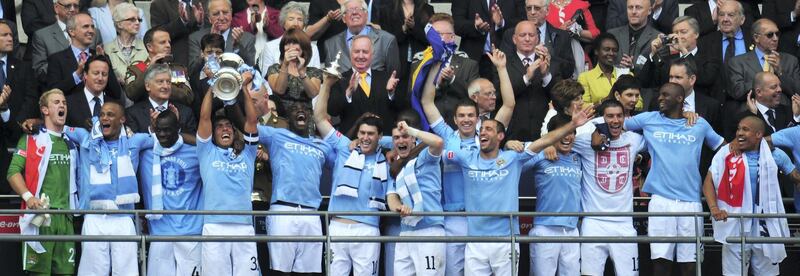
x=611 y=168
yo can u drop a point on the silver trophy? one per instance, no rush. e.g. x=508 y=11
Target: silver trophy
x=333 y=67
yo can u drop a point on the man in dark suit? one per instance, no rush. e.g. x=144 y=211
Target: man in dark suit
x=18 y=97
x=35 y=15
x=765 y=102
x=52 y=38
x=557 y=41
x=784 y=13
x=86 y=98
x=362 y=89
x=683 y=71
x=662 y=13
x=158 y=85
x=157 y=42
x=67 y=67
x=480 y=25
x=236 y=40
x=716 y=43
x=634 y=38
x=708 y=15
x=385 y=56
x=684 y=36
x=456 y=76
x=740 y=70
x=528 y=69
x=180 y=20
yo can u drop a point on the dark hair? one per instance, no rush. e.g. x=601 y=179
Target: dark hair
x=212 y=40
x=674 y=86
x=282 y=110
x=761 y=126
x=148 y=36
x=688 y=63
x=299 y=37
x=94 y=58
x=564 y=92
x=609 y=103
x=466 y=103
x=600 y=38
x=558 y=121
x=168 y=115
x=410 y=116
x=623 y=83
x=117 y=103
x=501 y=128
x=370 y=121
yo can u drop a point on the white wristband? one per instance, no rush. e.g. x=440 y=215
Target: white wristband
x=26 y=196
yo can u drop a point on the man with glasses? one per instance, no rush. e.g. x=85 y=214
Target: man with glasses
x=237 y=41
x=459 y=71
x=53 y=38
x=385 y=53
x=741 y=70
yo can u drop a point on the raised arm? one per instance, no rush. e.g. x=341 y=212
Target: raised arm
x=429 y=94
x=578 y=119
x=321 y=109
x=204 y=124
x=251 y=116
x=506 y=91
x=434 y=142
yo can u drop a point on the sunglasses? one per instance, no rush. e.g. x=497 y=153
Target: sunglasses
x=772 y=35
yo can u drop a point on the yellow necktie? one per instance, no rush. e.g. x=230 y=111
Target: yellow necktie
x=364 y=84
x=767 y=68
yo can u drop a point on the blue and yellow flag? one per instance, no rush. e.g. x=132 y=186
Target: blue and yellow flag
x=438 y=51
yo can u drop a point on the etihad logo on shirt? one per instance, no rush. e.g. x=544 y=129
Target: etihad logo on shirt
x=59 y=159
x=674 y=138
x=229 y=167
x=487 y=176
x=303 y=149
x=563 y=171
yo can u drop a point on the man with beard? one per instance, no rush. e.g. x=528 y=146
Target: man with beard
x=47 y=160
x=296 y=190
x=418 y=188
x=675 y=186
x=360 y=179
x=607 y=187
x=491 y=178
x=109 y=158
x=227 y=171
x=170 y=179
x=463 y=138
x=743 y=178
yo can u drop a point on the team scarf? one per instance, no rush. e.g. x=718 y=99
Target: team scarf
x=37 y=157
x=103 y=194
x=409 y=192
x=156 y=189
x=731 y=177
x=350 y=176
x=438 y=51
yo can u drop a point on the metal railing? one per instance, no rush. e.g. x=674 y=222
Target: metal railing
x=512 y=239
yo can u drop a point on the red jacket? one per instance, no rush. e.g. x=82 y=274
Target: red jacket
x=274 y=29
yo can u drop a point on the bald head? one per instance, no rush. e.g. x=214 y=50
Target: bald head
x=526 y=37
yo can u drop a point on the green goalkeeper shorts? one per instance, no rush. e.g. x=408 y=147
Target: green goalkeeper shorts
x=59 y=257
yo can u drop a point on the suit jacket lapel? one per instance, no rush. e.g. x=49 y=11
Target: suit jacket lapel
x=753 y=62
x=59 y=35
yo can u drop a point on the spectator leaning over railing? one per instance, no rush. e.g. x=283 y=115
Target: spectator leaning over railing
x=48 y=161
x=170 y=180
x=675 y=186
x=743 y=179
